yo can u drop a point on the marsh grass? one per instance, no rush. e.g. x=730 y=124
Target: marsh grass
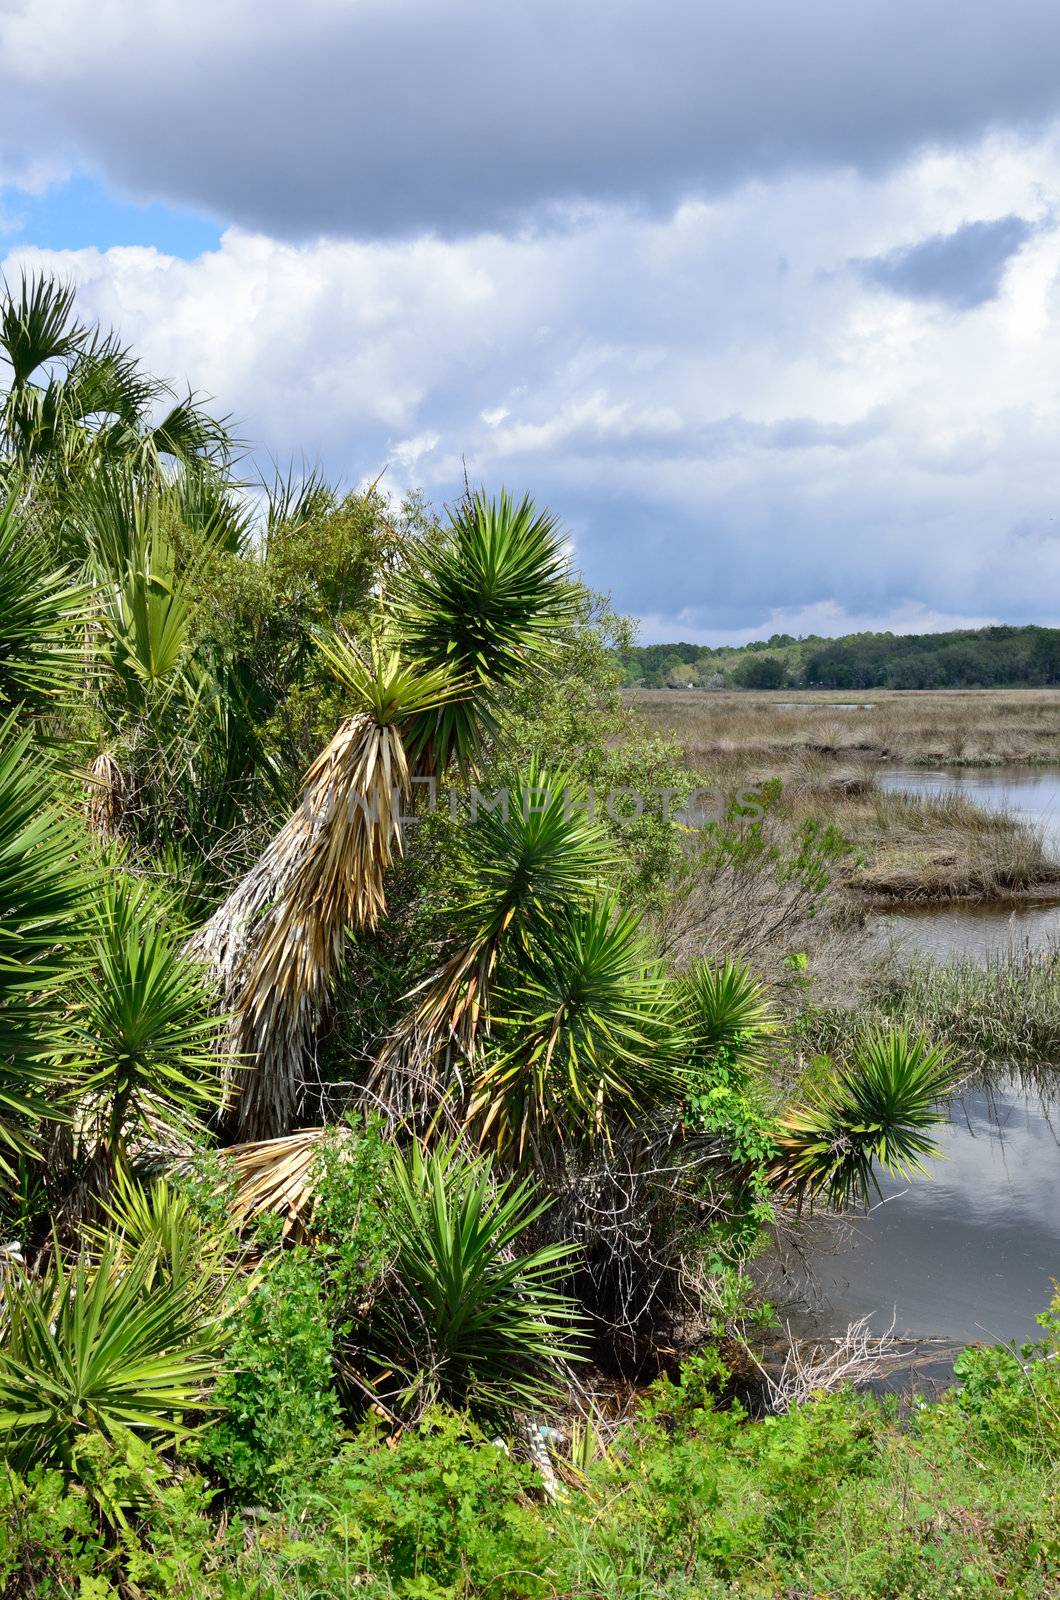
x=907 y=847
x=1002 y=1013
x=978 y=727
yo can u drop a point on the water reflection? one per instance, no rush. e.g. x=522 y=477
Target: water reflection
x=969 y=1254
x=1031 y=793
x=981 y=929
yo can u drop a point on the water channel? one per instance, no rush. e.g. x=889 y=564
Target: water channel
x=968 y=1254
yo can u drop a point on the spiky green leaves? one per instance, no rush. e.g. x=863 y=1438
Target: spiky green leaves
x=142 y=1020
x=385 y=686
x=585 y=1029
x=876 y=1111
x=43 y=893
x=42 y=613
x=471 y=1317
x=97 y=1347
x=482 y=602
x=728 y=1014
x=78 y=398
x=529 y=854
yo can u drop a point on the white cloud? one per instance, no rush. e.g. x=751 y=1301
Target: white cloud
x=736 y=426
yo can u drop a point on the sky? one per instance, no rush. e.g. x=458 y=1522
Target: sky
x=762 y=299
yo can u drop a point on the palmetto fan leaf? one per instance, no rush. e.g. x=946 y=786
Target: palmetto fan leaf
x=43 y=894
x=484 y=601
x=78 y=398
x=527 y=855
x=42 y=617
x=876 y=1111
x=275 y=942
x=586 y=1028
x=37 y=325
x=275 y=1175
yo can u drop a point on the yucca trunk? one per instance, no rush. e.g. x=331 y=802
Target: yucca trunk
x=275 y=943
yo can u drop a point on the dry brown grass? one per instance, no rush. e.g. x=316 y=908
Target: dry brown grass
x=977 y=727
x=909 y=847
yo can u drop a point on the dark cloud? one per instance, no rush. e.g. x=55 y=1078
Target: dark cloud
x=962 y=269
x=377 y=117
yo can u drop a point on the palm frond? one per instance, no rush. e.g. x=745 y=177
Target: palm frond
x=274 y=1175
x=38 y=325
x=42 y=616
x=44 y=892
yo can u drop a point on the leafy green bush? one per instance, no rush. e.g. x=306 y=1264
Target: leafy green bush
x=443 y=1512
x=352 y=1235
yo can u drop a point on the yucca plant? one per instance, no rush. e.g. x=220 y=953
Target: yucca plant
x=523 y=860
x=275 y=942
x=728 y=1014
x=99 y=1345
x=484 y=602
x=471 y=614
x=877 y=1111
x=143 y=1023
x=467 y=1319
x=586 y=1030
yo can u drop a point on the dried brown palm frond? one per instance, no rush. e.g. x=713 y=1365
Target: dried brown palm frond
x=274 y=1175
x=275 y=943
x=106 y=796
x=422 y=1059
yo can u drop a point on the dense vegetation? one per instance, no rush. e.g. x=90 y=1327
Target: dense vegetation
x=377 y=1095
x=968 y=658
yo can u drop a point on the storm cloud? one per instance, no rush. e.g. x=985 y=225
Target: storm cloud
x=962 y=269
x=393 y=117
x=761 y=299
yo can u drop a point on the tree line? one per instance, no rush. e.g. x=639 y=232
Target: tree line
x=966 y=658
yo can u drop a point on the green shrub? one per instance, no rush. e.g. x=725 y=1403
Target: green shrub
x=439 y=1512
x=279 y=1419
x=352 y=1237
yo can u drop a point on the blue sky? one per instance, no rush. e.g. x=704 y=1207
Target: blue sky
x=82 y=212
x=762 y=299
